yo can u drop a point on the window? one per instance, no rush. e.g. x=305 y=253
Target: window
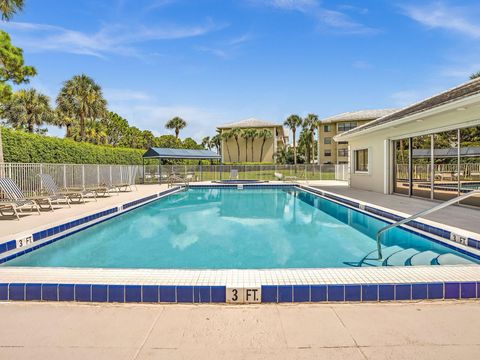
x=343 y=152
x=346 y=126
x=342 y=143
x=327 y=152
x=327 y=140
x=327 y=128
x=361 y=160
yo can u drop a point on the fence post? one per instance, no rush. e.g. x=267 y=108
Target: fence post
x=98 y=174
x=64 y=176
x=83 y=176
x=110 y=175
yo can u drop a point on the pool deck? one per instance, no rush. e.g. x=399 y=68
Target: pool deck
x=32 y=221
x=457 y=281
x=410 y=330
x=459 y=217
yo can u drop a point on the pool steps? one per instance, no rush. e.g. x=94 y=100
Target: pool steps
x=398 y=256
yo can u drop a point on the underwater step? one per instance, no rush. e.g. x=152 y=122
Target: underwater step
x=424 y=258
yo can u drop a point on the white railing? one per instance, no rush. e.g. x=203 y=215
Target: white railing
x=89 y=175
x=69 y=175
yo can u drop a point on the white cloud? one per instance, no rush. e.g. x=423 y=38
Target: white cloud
x=440 y=15
x=214 y=51
x=327 y=18
x=225 y=49
x=362 y=65
x=115 y=39
x=411 y=96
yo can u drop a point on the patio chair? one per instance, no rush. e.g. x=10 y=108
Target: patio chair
x=13 y=209
x=50 y=188
x=278 y=176
x=15 y=199
x=234 y=174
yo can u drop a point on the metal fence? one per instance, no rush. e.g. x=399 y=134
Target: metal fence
x=468 y=171
x=89 y=175
x=246 y=172
x=68 y=175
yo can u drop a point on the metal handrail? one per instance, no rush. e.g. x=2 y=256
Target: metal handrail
x=419 y=214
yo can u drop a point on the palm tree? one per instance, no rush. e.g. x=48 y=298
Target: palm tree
x=215 y=141
x=10 y=7
x=177 y=124
x=249 y=134
x=293 y=122
x=82 y=99
x=236 y=133
x=27 y=109
x=64 y=120
x=304 y=142
x=264 y=134
x=311 y=123
x=95 y=132
x=227 y=135
x=283 y=156
x=245 y=135
x=206 y=143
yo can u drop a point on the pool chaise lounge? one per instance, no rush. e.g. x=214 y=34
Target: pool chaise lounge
x=17 y=200
x=50 y=187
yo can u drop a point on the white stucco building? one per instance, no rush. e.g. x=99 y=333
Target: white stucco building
x=430 y=149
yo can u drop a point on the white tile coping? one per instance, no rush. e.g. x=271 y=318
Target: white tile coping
x=245 y=278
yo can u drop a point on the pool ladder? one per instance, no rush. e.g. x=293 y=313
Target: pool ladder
x=419 y=214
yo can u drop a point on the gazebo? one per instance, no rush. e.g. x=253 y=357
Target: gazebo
x=167 y=153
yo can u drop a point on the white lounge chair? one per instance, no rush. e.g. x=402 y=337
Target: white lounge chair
x=15 y=200
x=50 y=188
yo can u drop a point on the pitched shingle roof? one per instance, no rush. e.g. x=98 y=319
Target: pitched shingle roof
x=457 y=93
x=370 y=114
x=249 y=123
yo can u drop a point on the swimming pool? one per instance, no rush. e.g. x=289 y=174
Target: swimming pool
x=253 y=228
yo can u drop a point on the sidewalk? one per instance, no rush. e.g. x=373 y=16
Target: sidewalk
x=424 y=330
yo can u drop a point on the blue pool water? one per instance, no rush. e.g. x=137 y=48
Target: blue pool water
x=221 y=228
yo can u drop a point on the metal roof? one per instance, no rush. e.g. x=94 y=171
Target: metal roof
x=468 y=151
x=167 y=153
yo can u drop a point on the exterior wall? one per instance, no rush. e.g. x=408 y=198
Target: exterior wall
x=268 y=149
x=378 y=178
x=334 y=147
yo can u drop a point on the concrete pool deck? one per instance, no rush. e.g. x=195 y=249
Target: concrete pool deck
x=408 y=330
x=460 y=217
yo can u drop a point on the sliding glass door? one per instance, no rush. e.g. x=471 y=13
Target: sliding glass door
x=470 y=163
x=445 y=165
x=401 y=172
x=438 y=166
x=421 y=166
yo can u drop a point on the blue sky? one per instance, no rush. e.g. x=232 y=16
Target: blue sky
x=213 y=62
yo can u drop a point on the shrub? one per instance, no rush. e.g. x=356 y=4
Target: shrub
x=19 y=146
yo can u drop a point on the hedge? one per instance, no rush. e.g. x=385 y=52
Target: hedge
x=22 y=147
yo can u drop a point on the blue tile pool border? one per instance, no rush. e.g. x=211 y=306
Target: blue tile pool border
x=318 y=293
